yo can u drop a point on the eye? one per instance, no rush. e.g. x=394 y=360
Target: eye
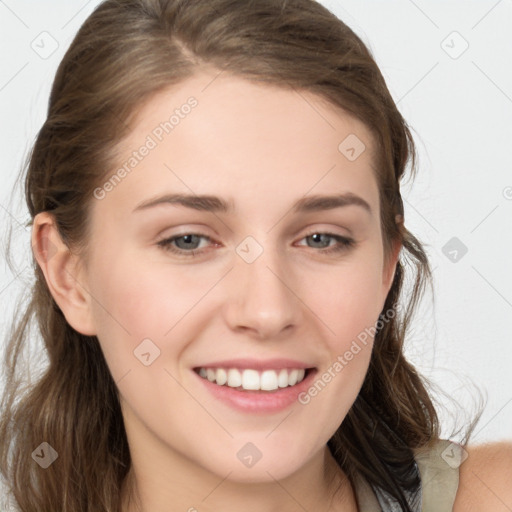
x=188 y=244
x=342 y=243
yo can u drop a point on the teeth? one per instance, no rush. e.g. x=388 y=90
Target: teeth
x=250 y=379
x=292 y=378
x=253 y=380
x=268 y=380
x=221 y=377
x=282 y=379
x=234 y=378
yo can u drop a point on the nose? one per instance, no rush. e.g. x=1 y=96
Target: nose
x=262 y=299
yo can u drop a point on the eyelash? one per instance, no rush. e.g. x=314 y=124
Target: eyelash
x=344 y=243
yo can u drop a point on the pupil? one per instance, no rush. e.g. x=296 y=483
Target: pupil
x=317 y=237
x=186 y=240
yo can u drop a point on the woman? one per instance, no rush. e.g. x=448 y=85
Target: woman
x=220 y=246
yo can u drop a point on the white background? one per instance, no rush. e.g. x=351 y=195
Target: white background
x=459 y=106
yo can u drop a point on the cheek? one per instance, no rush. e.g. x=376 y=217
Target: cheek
x=348 y=301
x=133 y=302
x=350 y=308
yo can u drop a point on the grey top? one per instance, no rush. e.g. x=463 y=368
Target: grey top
x=439 y=472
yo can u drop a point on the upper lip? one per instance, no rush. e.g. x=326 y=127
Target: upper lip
x=257 y=364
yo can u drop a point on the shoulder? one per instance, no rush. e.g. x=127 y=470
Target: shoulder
x=484 y=479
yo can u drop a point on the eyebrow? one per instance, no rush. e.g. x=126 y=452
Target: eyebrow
x=216 y=204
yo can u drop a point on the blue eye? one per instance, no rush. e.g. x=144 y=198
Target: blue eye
x=187 y=242
x=343 y=243
x=187 y=245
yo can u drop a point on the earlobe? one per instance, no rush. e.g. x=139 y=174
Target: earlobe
x=61 y=270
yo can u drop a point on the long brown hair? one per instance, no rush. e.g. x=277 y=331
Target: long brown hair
x=123 y=54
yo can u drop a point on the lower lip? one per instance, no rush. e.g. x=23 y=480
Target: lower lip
x=259 y=401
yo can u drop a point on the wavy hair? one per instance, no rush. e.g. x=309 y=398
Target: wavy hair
x=124 y=53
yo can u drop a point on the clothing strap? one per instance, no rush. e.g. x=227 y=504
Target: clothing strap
x=438 y=468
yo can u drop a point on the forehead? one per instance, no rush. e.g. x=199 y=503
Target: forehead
x=225 y=101
x=216 y=133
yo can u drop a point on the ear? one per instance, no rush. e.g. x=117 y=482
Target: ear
x=63 y=273
x=389 y=268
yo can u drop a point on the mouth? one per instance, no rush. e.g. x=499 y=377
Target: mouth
x=251 y=380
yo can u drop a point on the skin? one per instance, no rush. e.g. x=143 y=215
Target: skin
x=484 y=479
x=263 y=148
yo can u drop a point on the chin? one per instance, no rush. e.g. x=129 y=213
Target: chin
x=276 y=465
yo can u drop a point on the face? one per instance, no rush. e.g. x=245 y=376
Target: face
x=258 y=276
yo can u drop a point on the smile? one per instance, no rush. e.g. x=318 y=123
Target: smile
x=254 y=380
